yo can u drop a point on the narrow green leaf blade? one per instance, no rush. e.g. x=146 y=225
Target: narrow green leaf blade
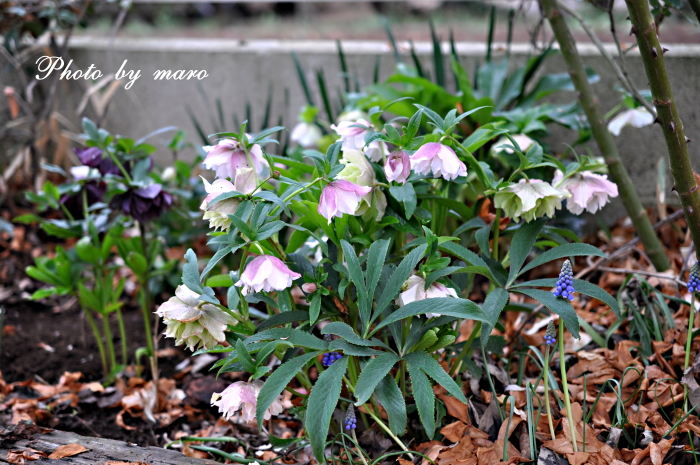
x=559 y=306
x=562 y=251
x=522 y=243
x=392 y=400
x=425 y=399
x=322 y=401
x=372 y=374
x=433 y=369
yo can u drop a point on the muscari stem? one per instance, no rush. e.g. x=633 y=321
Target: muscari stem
x=644 y=29
x=546 y=392
x=603 y=138
x=565 y=387
x=688 y=346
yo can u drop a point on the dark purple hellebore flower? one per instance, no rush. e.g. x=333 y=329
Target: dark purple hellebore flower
x=92 y=157
x=95 y=191
x=144 y=204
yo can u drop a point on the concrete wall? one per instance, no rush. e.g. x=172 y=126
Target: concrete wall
x=241 y=72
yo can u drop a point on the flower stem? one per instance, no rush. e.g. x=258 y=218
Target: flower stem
x=98 y=339
x=387 y=430
x=546 y=392
x=467 y=345
x=146 y=306
x=565 y=387
x=688 y=345
x=122 y=335
x=359 y=451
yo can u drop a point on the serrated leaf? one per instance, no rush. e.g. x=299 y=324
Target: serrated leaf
x=559 y=306
x=562 y=251
x=389 y=395
x=424 y=397
x=322 y=402
x=433 y=369
x=398 y=277
x=372 y=374
x=344 y=330
x=446 y=306
x=522 y=243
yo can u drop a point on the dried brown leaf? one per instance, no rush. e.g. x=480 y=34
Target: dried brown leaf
x=67 y=450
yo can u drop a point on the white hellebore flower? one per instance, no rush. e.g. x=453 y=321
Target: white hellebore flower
x=635 y=117
x=529 y=198
x=340 y=197
x=243 y=396
x=306 y=134
x=192 y=321
x=82 y=172
x=589 y=191
x=227 y=157
x=438 y=158
x=414 y=289
x=266 y=273
x=524 y=142
x=217 y=213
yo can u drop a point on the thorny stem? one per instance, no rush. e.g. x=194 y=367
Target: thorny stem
x=565 y=387
x=604 y=139
x=387 y=430
x=688 y=346
x=644 y=29
x=546 y=392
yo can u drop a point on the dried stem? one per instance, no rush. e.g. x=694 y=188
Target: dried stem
x=644 y=29
x=604 y=139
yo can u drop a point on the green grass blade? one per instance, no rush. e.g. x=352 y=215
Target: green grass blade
x=321 y=80
x=343 y=66
x=385 y=22
x=416 y=61
x=437 y=57
x=492 y=29
x=268 y=109
x=302 y=79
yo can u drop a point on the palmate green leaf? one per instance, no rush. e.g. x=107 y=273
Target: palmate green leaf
x=218 y=256
x=433 y=369
x=283 y=318
x=389 y=395
x=582 y=287
x=322 y=402
x=562 y=251
x=494 y=304
x=358 y=279
x=375 y=262
x=447 y=306
x=277 y=381
x=344 y=330
x=523 y=240
x=352 y=349
x=437 y=274
x=559 y=306
x=424 y=397
x=297 y=337
x=372 y=374
x=407 y=196
x=465 y=255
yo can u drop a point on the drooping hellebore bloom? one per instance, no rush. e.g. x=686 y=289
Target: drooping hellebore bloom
x=359 y=171
x=192 y=321
x=217 y=213
x=529 y=198
x=340 y=197
x=94 y=189
x=228 y=156
x=523 y=141
x=93 y=157
x=266 y=273
x=589 y=191
x=243 y=396
x=398 y=167
x=143 y=204
x=306 y=134
x=635 y=117
x=414 y=289
x=440 y=159
x=352 y=133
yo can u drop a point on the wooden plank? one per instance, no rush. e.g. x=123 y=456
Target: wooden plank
x=100 y=451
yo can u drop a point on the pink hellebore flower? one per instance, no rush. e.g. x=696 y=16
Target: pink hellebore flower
x=414 y=289
x=227 y=157
x=217 y=213
x=352 y=133
x=266 y=273
x=589 y=191
x=243 y=396
x=398 y=167
x=340 y=197
x=438 y=158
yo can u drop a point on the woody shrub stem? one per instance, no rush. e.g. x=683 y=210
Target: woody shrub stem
x=644 y=29
x=603 y=138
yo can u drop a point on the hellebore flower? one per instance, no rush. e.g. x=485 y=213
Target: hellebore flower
x=438 y=158
x=589 y=191
x=550 y=336
x=92 y=157
x=359 y=171
x=266 y=273
x=398 y=167
x=217 y=214
x=340 y=197
x=192 y=321
x=350 y=419
x=306 y=134
x=414 y=289
x=524 y=142
x=529 y=198
x=565 y=284
x=352 y=133
x=635 y=117
x=80 y=172
x=228 y=156
x=143 y=204
x=95 y=190
x=694 y=278
x=243 y=396
x=376 y=150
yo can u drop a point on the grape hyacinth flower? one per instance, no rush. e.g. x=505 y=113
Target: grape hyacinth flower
x=350 y=422
x=550 y=336
x=331 y=357
x=565 y=284
x=694 y=278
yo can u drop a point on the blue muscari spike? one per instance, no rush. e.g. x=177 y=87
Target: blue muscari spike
x=350 y=419
x=330 y=357
x=565 y=284
x=550 y=336
x=694 y=278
